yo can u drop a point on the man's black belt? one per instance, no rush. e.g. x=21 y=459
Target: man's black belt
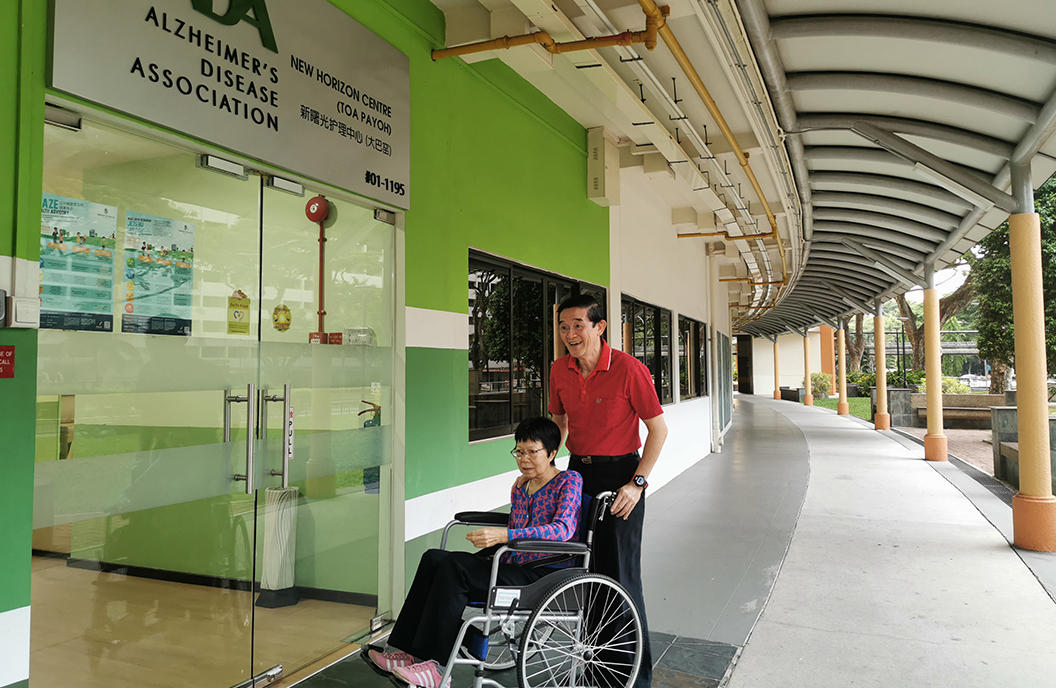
x=592 y=459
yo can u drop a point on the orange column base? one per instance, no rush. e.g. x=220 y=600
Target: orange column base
x=777 y=394
x=935 y=448
x=843 y=408
x=808 y=400
x=882 y=421
x=1034 y=522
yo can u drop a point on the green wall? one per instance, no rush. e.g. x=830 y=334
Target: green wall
x=21 y=121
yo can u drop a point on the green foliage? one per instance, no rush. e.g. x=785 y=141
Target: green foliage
x=865 y=381
x=820 y=385
x=950 y=385
x=993 y=279
x=913 y=377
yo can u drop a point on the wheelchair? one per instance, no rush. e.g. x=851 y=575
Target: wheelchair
x=572 y=628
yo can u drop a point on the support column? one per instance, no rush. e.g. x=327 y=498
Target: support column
x=842 y=407
x=808 y=398
x=1033 y=508
x=882 y=419
x=777 y=367
x=934 y=441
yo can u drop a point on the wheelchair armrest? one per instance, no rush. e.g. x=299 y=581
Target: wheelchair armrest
x=547 y=546
x=482 y=518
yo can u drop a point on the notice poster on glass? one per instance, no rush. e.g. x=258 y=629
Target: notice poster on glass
x=158 y=275
x=77 y=245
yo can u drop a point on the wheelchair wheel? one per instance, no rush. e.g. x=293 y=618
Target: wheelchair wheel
x=586 y=631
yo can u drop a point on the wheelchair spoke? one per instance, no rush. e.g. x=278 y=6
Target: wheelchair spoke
x=594 y=639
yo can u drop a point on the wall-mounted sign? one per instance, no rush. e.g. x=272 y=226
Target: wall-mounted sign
x=7 y=361
x=281 y=318
x=238 y=313
x=296 y=83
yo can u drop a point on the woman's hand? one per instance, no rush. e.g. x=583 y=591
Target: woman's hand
x=486 y=537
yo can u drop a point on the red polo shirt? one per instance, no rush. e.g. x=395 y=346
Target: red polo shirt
x=603 y=410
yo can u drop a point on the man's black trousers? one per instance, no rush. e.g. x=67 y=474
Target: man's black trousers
x=443 y=585
x=618 y=542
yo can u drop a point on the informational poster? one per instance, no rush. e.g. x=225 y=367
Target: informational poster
x=158 y=275
x=77 y=245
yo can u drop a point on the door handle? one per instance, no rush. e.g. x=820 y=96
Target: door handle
x=287 y=429
x=250 y=399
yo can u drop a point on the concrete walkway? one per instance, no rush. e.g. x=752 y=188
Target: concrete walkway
x=894 y=578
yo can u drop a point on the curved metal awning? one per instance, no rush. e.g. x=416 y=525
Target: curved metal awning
x=900 y=121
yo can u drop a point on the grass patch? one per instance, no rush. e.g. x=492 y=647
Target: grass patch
x=860 y=406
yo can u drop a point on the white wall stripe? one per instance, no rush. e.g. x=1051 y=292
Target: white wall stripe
x=20 y=277
x=429 y=329
x=687 y=443
x=14 y=646
x=432 y=512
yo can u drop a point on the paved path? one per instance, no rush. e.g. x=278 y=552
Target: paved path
x=973 y=446
x=893 y=578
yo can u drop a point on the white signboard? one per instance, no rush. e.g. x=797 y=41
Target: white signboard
x=295 y=83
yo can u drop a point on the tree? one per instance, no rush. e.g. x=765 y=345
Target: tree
x=949 y=305
x=856 y=346
x=993 y=276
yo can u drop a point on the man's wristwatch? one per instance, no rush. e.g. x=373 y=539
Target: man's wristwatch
x=640 y=481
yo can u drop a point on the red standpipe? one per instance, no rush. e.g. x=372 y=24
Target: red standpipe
x=317 y=210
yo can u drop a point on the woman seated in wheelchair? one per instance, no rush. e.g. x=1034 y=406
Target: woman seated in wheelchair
x=545 y=505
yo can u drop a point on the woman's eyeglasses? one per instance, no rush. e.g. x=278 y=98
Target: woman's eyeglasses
x=518 y=454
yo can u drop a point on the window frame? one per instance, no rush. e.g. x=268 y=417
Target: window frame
x=694 y=357
x=564 y=287
x=652 y=347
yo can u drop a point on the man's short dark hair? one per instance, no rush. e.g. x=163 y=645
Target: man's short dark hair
x=539 y=429
x=583 y=301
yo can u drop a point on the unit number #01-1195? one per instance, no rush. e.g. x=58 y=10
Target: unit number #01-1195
x=392 y=187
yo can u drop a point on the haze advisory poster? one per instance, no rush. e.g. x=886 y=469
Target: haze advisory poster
x=158 y=275
x=77 y=245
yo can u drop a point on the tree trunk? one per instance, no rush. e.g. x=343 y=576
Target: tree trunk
x=856 y=346
x=999 y=375
x=949 y=306
x=914 y=332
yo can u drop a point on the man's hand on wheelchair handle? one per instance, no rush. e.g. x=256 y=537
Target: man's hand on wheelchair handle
x=626 y=499
x=487 y=537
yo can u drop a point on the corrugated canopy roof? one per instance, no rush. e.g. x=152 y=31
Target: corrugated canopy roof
x=901 y=119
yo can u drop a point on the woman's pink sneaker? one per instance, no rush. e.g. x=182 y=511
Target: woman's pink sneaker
x=389 y=661
x=425 y=675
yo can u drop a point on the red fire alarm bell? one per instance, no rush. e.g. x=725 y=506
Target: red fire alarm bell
x=317 y=209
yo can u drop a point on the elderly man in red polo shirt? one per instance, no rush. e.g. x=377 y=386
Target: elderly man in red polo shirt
x=597 y=396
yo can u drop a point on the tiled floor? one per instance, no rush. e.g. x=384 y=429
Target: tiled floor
x=680 y=662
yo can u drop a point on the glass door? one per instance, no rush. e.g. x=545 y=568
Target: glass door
x=143 y=523
x=322 y=515
x=212 y=487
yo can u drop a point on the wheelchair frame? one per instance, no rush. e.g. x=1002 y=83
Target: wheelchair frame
x=562 y=603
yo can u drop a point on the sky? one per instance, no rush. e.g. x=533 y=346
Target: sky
x=946 y=281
